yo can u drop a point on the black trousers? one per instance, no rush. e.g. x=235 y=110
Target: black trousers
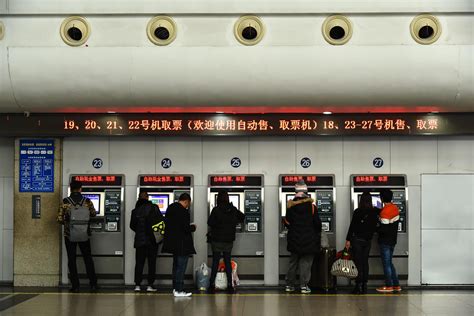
x=360 y=254
x=85 y=247
x=216 y=257
x=145 y=253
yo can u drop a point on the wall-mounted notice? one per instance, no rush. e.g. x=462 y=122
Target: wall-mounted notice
x=36 y=165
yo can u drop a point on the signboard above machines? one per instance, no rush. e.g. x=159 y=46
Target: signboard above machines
x=165 y=180
x=236 y=180
x=310 y=180
x=99 y=180
x=216 y=124
x=371 y=180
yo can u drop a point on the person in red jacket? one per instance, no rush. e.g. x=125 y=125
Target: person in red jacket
x=388 y=230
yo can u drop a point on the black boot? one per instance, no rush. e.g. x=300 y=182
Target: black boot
x=364 y=288
x=357 y=289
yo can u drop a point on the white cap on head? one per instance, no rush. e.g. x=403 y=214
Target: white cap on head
x=300 y=186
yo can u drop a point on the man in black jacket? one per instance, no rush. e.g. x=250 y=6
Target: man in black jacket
x=144 y=216
x=304 y=237
x=179 y=240
x=64 y=217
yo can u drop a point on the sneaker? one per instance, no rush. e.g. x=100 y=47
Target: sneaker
x=305 y=289
x=385 y=289
x=397 y=288
x=150 y=289
x=289 y=288
x=137 y=288
x=182 y=294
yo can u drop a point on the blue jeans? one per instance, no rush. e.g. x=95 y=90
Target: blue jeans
x=179 y=268
x=386 y=254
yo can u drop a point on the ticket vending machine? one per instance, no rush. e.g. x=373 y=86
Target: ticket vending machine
x=374 y=184
x=247 y=195
x=107 y=228
x=163 y=190
x=321 y=188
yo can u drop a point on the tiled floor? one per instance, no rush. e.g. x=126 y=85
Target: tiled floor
x=104 y=303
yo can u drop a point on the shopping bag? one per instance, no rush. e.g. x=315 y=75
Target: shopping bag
x=202 y=277
x=221 y=281
x=235 y=277
x=344 y=266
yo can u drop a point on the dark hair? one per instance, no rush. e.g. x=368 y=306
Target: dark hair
x=75 y=185
x=222 y=198
x=184 y=197
x=386 y=195
x=143 y=195
x=365 y=200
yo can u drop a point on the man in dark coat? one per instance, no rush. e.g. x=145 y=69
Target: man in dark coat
x=304 y=237
x=144 y=216
x=179 y=240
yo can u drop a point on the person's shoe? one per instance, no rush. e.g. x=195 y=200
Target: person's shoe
x=357 y=289
x=94 y=287
x=150 y=289
x=182 y=294
x=230 y=290
x=289 y=288
x=137 y=288
x=397 y=288
x=74 y=290
x=385 y=289
x=364 y=288
x=305 y=289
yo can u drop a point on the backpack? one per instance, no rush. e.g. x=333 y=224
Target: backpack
x=79 y=221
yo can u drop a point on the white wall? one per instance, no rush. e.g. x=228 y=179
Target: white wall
x=271 y=156
x=7 y=146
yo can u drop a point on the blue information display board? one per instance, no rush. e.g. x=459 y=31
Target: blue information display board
x=36 y=165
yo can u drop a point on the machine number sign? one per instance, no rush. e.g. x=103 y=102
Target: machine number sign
x=305 y=162
x=166 y=163
x=235 y=162
x=97 y=163
x=377 y=162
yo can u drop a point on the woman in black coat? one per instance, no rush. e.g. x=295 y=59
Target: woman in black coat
x=359 y=237
x=222 y=221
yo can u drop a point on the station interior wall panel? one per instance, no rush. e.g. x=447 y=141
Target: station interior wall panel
x=7 y=147
x=271 y=156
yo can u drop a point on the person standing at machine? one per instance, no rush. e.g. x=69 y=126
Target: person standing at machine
x=144 y=216
x=304 y=237
x=359 y=237
x=222 y=221
x=74 y=214
x=178 y=240
x=388 y=231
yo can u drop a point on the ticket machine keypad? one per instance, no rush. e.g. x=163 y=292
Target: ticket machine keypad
x=325 y=208
x=112 y=210
x=399 y=199
x=253 y=211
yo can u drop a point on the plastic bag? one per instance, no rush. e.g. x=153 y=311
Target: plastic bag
x=221 y=281
x=235 y=277
x=202 y=277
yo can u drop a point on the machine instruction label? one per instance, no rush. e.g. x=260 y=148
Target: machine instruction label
x=36 y=165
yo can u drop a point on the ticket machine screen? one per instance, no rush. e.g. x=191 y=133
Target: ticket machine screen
x=235 y=200
x=96 y=199
x=377 y=201
x=161 y=200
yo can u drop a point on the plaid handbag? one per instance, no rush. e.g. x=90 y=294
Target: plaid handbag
x=344 y=266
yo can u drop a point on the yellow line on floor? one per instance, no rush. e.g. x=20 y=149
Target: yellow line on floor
x=237 y=294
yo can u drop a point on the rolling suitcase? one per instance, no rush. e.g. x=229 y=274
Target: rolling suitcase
x=321 y=278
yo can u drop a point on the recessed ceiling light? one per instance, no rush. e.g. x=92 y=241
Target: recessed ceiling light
x=111 y=112
x=219 y=112
x=435 y=112
x=327 y=112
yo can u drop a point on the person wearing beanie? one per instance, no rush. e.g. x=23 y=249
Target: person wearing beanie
x=304 y=237
x=388 y=230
